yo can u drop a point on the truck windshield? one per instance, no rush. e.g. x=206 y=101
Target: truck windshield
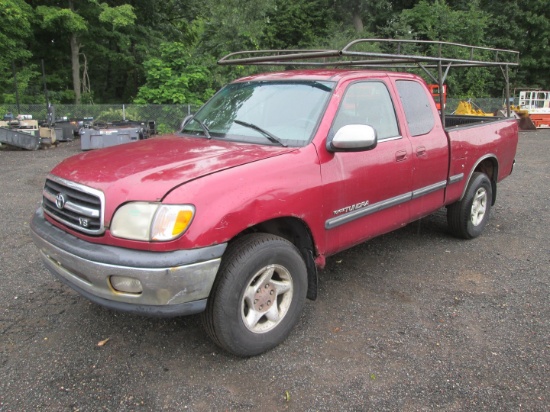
x=265 y=112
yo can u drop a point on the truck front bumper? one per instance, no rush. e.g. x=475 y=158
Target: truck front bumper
x=172 y=283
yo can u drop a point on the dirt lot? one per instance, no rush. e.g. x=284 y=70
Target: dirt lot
x=415 y=320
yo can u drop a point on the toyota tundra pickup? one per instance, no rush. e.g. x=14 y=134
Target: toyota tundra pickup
x=233 y=215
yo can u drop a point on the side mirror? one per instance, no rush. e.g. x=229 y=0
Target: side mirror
x=353 y=138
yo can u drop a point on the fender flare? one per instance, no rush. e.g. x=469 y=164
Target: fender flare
x=493 y=177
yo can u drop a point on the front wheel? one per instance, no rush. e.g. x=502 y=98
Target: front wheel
x=258 y=295
x=467 y=218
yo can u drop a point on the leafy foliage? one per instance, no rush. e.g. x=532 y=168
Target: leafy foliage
x=120 y=16
x=175 y=78
x=53 y=17
x=523 y=26
x=16 y=29
x=297 y=24
x=438 y=21
x=156 y=52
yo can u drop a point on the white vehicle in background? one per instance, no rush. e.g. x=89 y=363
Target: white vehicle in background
x=536 y=103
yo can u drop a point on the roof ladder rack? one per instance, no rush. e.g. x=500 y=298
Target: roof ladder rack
x=401 y=54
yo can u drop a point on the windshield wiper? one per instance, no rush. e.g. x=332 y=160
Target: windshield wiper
x=201 y=124
x=267 y=134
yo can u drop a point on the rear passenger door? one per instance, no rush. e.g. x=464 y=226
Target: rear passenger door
x=430 y=149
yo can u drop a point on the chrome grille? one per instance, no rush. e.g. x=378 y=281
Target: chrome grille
x=74 y=205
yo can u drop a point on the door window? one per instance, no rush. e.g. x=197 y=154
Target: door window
x=368 y=103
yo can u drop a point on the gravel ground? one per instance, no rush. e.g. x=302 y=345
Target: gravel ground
x=414 y=321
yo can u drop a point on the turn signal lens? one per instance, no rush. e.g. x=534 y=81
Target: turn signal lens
x=171 y=221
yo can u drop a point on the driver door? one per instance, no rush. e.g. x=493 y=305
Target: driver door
x=367 y=193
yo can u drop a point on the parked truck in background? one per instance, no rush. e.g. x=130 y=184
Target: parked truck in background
x=233 y=216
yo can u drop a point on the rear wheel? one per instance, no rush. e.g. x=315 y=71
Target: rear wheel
x=467 y=218
x=258 y=295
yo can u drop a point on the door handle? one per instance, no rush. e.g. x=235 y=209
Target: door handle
x=420 y=151
x=401 y=155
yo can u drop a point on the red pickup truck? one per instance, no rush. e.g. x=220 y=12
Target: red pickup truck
x=232 y=216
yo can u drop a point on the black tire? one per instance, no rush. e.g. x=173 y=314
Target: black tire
x=242 y=316
x=467 y=218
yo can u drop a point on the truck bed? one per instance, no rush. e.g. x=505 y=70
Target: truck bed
x=473 y=141
x=454 y=121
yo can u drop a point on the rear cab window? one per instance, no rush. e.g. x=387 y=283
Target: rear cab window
x=416 y=104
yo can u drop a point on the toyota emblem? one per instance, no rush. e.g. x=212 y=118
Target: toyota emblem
x=60 y=201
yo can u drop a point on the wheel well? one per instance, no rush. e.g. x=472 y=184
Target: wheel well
x=489 y=167
x=297 y=232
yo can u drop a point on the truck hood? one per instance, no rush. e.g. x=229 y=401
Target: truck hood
x=147 y=170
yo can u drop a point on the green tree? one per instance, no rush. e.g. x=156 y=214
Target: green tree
x=363 y=15
x=109 y=50
x=74 y=21
x=297 y=24
x=523 y=26
x=437 y=21
x=16 y=30
x=175 y=78
x=234 y=25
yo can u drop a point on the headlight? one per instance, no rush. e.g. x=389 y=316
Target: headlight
x=151 y=221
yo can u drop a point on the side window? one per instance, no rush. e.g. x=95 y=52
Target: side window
x=368 y=103
x=416 y=104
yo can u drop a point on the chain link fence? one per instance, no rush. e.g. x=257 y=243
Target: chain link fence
x=488 y=105
x=167 y=117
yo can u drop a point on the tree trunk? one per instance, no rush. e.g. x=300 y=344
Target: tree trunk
x=357 y=22
x=75 y=64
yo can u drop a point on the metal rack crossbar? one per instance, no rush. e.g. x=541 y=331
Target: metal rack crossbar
x=396 y=54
